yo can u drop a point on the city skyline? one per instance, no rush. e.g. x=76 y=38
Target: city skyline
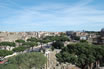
x=51 y=15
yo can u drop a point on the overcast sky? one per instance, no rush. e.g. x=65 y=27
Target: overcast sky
x=51 y=15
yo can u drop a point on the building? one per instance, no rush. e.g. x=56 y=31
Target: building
x=102 y=36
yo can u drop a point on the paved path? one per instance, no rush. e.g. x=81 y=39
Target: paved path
x=37 y=48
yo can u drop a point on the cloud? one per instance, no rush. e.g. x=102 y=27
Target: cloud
x=56 y=15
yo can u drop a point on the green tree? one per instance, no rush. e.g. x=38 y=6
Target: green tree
x=52 y=48
x=32 y=39
x=25 y=61
x=83 y=40
x=58 y=45
x=83 y=55
x=76 y=37
x=4 y=53
x=50 y=38
x=19 y=49
x=30 y=44
x=8 y=66
x=20 y=41
x=5 y=44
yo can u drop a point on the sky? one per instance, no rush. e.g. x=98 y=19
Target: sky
x=51 y=15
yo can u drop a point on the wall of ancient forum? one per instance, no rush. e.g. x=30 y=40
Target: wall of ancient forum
x=12 y=36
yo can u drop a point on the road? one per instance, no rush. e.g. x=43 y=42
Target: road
x=37 y=48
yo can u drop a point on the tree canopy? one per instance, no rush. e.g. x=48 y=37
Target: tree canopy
x=81 y=55
x=4 y=53
x=32 y=39
x=19 y=49
x=30 y=44
x=7 y=44
x=58 y=45
x=25 y=61
x=20 y=41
